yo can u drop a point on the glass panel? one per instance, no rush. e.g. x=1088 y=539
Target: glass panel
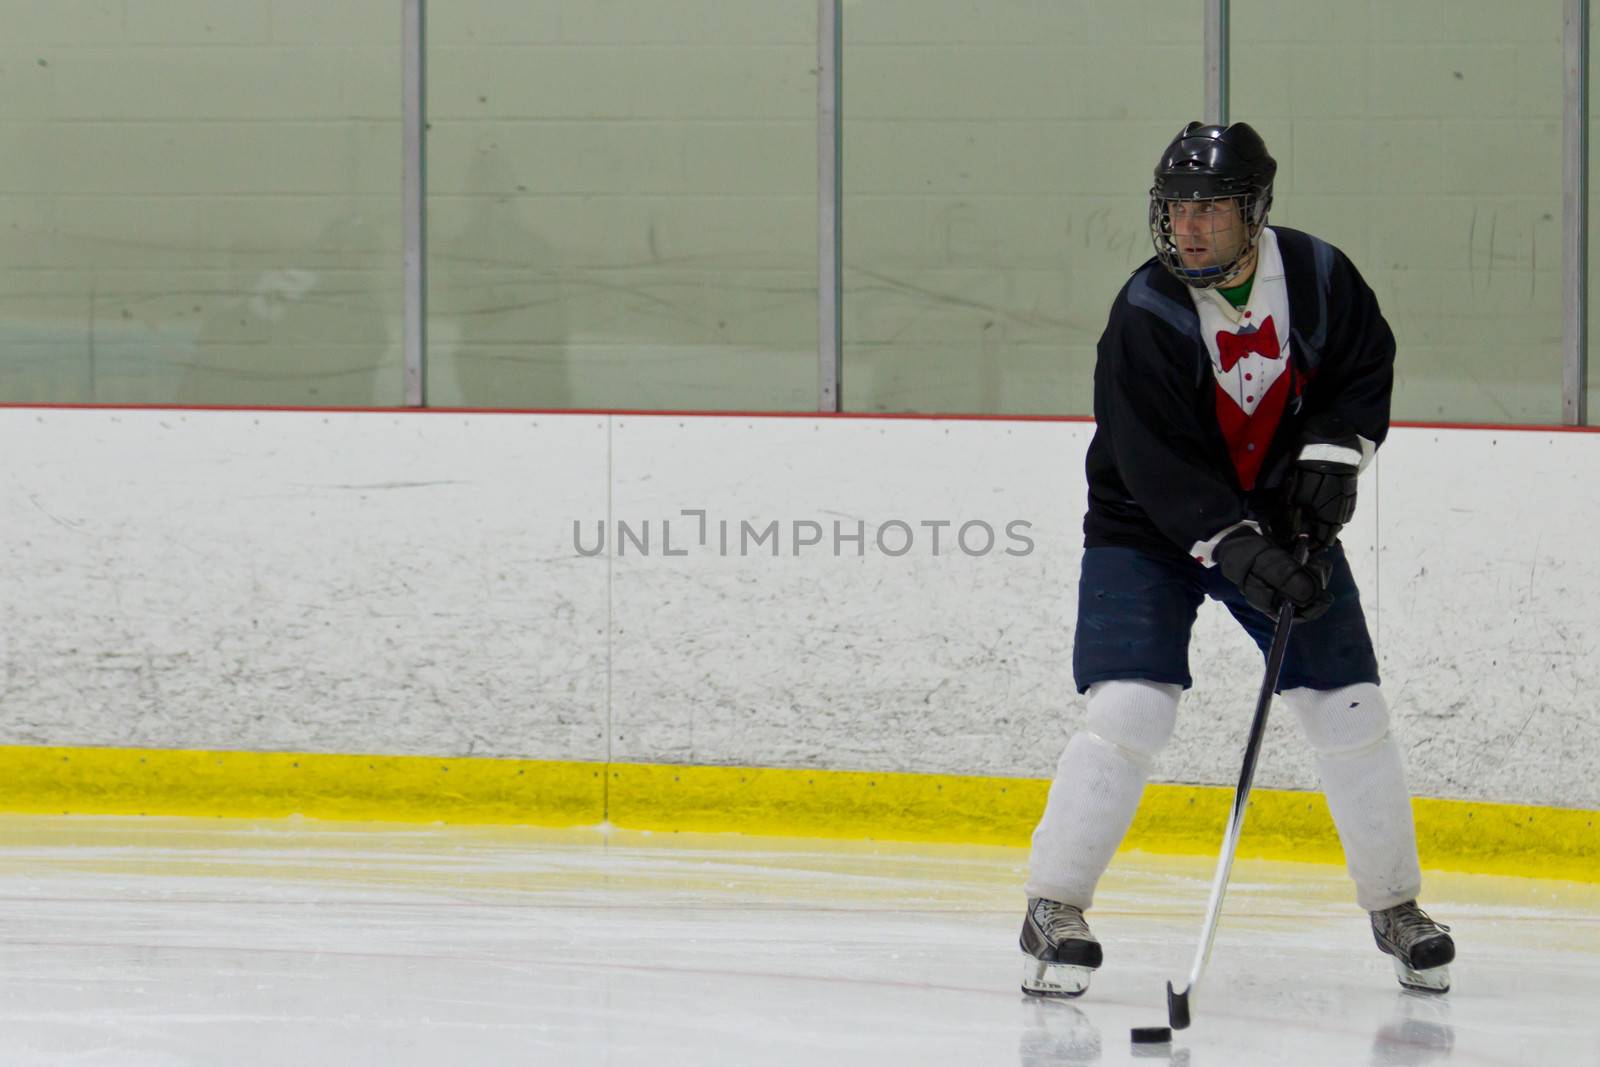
x=997 y=163
x=1424 y=139
x=622 y=204
x=200 y=203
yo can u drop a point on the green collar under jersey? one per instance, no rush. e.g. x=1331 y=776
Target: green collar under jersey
x=1239 y=295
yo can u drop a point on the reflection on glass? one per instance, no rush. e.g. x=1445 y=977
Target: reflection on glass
x=498 y=331
x=622 y=205
x=996 y=171
x=199 y=210
x=1429 y=149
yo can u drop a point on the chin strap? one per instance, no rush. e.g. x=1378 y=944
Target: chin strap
x=1224 y=281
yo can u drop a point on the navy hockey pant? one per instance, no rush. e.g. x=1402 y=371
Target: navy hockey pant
x=1135 y=611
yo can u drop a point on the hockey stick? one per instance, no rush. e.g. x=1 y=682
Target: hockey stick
x=1178 y=1001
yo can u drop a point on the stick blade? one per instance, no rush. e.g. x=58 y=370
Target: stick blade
x=1177 y=1008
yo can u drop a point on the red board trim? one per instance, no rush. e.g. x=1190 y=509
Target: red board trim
x=691 y=414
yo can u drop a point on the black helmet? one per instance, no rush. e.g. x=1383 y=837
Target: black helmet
x=1212 y=163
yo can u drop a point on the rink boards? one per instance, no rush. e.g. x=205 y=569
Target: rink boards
x=199 y=601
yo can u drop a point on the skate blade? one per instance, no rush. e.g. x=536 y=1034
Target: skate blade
x=1041 y=979
x=1432 y=980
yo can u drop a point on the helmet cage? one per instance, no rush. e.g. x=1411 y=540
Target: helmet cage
x=1253 y=206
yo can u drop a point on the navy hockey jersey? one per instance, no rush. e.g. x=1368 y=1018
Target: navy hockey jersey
x=1199 y=407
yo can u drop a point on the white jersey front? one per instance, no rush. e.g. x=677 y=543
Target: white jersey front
x=1249 y=349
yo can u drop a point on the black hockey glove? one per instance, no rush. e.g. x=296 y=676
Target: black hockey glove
x=1268 y=575
x=1321 y=489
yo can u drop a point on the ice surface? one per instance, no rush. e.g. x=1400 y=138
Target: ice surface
x=146 y=942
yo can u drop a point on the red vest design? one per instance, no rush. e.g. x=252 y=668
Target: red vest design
x=1250 y=355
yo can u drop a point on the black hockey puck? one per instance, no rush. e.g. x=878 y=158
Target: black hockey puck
x=1151 y=1035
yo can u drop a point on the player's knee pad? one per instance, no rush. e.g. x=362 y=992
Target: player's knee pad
x=1134 y=715
x=1340 y=721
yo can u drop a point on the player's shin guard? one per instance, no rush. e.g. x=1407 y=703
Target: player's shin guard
x=1365 y=784
x=1092 y=803
x=1097 y=786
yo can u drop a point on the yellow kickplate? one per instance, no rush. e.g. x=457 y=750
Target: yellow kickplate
x=121 y=781
x=1454 y=834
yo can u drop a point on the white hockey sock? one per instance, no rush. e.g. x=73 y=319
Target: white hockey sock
x=1097 y=787
x=1366 y=789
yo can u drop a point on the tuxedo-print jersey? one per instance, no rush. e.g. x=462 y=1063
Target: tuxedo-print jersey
x=1199 y=407
x=1248 y=348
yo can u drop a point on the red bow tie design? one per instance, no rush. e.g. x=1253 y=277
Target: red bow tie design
x=1232 y=347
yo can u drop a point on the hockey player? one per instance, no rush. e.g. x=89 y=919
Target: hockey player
x=1241 y=385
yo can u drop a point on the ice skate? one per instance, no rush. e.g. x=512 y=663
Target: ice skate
x=1059 y=952
x=1420 y=947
